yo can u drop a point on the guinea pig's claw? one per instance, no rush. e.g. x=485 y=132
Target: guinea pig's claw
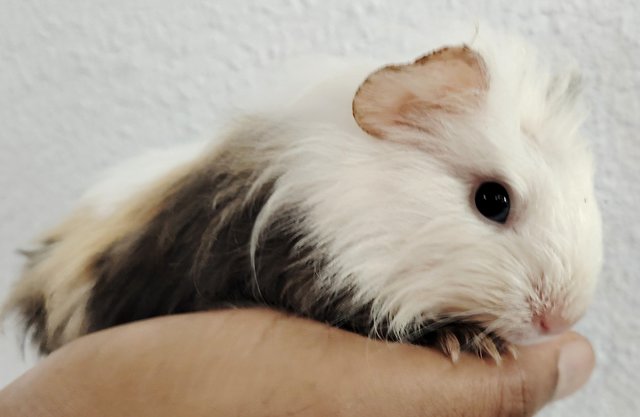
x=454 y=340
x=450 y=345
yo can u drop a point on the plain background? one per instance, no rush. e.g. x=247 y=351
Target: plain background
x=86 y=84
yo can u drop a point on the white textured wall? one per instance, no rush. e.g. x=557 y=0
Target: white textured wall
x=83 y=86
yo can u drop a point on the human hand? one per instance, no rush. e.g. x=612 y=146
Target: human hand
x=258 y=363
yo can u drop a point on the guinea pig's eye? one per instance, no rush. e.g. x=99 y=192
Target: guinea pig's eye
x=492 y=201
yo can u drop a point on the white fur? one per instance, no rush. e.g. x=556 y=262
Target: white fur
x=400 y=224
x=123 y=182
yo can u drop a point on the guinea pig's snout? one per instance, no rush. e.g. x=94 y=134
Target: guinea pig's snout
x=551 y=322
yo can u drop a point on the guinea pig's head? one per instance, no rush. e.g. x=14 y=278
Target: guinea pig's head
x=498 y=224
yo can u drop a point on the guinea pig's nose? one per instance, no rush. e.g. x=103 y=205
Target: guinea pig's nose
x=552 y=322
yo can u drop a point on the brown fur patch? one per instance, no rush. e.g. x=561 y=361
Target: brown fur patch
x=194 y=254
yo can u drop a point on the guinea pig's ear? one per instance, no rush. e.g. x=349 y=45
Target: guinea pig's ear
x=421 y=94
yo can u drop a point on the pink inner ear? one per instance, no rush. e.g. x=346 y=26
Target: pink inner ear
x=465 y=65
x=446 y=82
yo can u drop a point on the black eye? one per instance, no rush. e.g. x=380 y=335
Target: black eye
x=492 y=201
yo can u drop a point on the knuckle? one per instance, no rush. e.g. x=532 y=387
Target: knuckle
x=515 y=394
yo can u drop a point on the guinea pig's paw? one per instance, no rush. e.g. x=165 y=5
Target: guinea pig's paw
x=453 y=340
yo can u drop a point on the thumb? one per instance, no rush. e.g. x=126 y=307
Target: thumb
x=425 y=383
x=543 y=373
x=521 y=387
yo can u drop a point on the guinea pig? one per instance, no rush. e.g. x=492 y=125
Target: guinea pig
x=447 y=201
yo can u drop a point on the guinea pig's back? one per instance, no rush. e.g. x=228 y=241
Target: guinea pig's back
x=51 y=295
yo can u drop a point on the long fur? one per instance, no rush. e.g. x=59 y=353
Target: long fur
x=307 y=213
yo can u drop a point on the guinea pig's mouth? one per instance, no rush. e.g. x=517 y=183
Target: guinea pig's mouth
x=454 y=337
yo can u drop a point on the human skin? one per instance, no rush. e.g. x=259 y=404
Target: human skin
x=259 y=363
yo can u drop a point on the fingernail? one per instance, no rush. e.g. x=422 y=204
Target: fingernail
x=575 y=364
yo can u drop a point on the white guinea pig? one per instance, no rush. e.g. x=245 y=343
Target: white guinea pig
x=448 y=201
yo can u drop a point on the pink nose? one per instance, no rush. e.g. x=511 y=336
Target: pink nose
x=552 y=322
